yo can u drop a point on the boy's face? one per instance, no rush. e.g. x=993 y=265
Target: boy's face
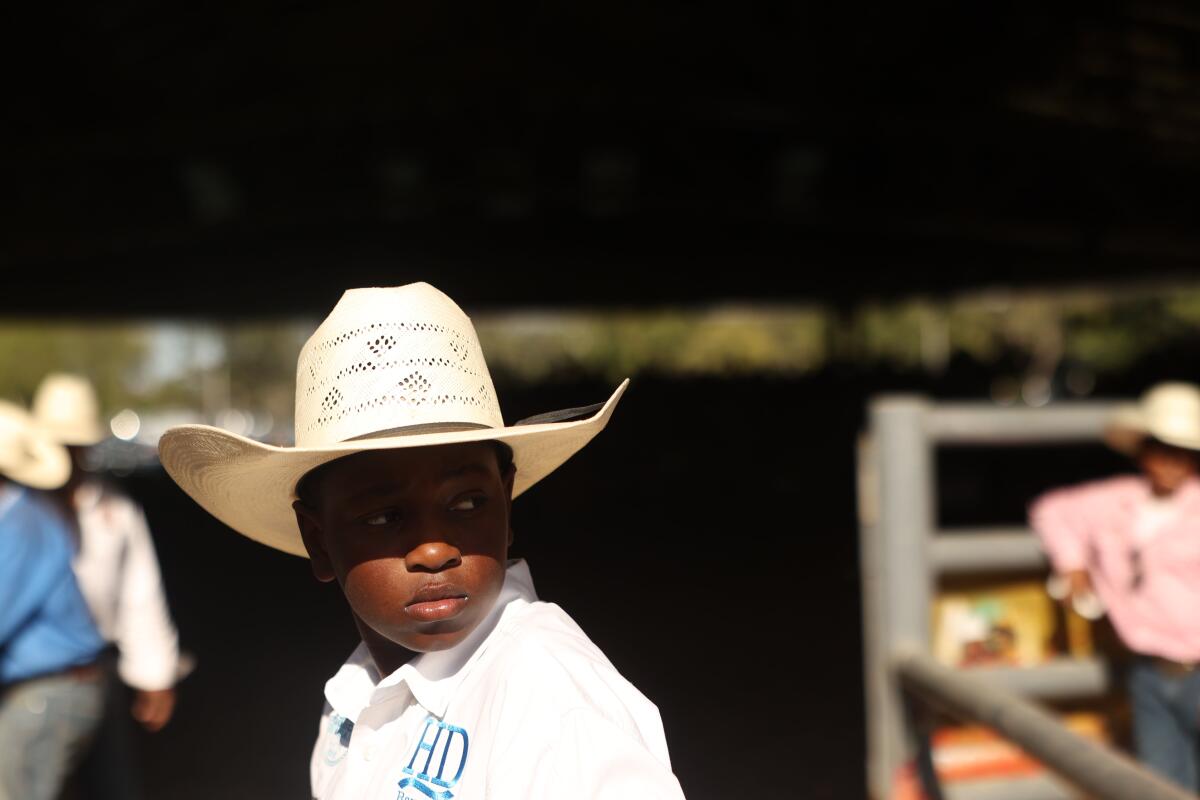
x=1166 y=467
x=418 y=538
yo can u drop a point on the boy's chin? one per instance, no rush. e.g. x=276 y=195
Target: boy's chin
x=430 y=638
x=411 y=641
x=431 y=642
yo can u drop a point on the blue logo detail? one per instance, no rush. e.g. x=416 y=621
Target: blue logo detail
x=339 y=730
x=452 y=750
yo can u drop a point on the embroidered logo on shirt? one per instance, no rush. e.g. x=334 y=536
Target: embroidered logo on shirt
x=339 y=731
x=445 y=749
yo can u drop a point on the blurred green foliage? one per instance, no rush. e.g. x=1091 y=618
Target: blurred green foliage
x=251 y=365
x=107 y=353
x=261 y=361
x=722 y=341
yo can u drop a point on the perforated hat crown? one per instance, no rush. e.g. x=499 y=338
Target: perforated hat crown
x=400 y=358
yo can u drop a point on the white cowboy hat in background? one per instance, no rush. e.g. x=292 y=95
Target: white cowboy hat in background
x=27 y=455
x=388 y=368
x=1168 y=412
x=65 y=406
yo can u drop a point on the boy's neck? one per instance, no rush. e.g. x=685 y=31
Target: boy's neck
x=387 y=655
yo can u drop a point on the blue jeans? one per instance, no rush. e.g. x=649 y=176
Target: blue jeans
x=110 y=769
x=1166 y=722
x=45 y=724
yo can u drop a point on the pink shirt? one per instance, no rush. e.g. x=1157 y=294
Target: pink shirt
x=1099 y=526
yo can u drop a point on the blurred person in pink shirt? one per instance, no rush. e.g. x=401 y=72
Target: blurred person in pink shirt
x=1130 y=545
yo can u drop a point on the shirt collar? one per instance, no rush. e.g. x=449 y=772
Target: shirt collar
x=1190 y=490
x=10 y=493
x=431 y=677
x=88 y=495
x=1187 y=493
x=349 y=690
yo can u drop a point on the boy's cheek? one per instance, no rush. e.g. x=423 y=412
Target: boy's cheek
x=370 y=591
x=352 y=555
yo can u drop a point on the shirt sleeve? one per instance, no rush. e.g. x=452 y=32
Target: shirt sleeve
x=145 y=634
x=1061 y=519
x=32 y=563
x=589 y=758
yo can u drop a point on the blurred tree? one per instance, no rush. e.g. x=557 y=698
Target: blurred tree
x=106 y=353
x=260 y=360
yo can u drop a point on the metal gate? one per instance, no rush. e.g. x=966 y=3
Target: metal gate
x=904 y=553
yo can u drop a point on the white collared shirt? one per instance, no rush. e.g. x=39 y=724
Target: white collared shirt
x=526 y=707
x=118 y=574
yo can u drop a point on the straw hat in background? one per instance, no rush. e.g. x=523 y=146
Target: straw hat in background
x=28 y=455
x=65 y=406
x=388 y=368
x=1168 y=412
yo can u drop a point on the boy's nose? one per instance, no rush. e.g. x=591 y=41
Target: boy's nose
x=432 y=556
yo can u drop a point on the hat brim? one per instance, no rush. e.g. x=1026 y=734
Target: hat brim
x=79 y=435
x=45 y=465
x=1129 y=428
x=250 y=486
x=1126 y=430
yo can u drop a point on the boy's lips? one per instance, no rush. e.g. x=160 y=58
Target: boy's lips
x=436 y=603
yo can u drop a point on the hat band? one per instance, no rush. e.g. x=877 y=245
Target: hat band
x=563 y=415
x=425 y=427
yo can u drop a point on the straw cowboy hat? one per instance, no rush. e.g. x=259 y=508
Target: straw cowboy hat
x=27 y=455
x=1168 y=412
x=65 y=406
x=388 y=368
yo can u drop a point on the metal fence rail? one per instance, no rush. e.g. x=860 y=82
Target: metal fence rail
x=1098 y=770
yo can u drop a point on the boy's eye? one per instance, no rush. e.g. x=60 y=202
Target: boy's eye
x=468 y=503
x=382 y=518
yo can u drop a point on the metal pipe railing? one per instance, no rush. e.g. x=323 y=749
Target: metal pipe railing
x=1098 y=770
x=985 y=549
x=984 y=423
x=898 y=514
x=904 y=552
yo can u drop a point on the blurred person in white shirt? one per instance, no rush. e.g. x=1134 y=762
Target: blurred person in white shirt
x=119 y=576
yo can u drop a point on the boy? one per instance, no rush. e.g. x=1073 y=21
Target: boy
x=400 y=489
x=1134 y=541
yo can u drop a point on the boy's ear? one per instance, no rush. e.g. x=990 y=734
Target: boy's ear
x=310 y=532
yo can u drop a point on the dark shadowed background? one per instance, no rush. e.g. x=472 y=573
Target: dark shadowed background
x=248 y=161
